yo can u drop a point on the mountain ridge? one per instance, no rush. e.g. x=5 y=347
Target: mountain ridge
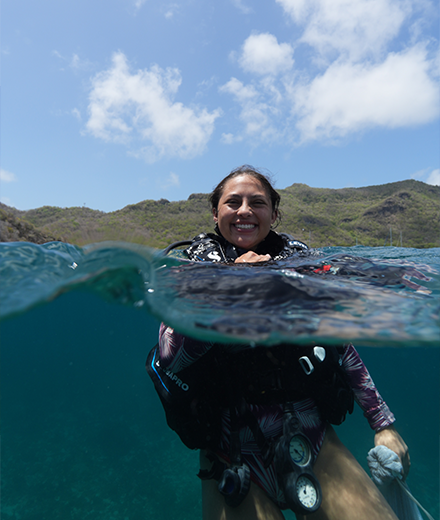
x=404 y=213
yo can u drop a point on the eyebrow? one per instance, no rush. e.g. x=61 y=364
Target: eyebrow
x=258 y=196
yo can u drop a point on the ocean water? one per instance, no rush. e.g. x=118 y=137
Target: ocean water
x=83 y=433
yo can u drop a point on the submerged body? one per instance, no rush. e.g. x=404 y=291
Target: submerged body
x=244 y=208
x=177 y=352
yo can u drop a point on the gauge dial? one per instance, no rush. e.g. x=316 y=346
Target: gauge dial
x=306 y=492
x=299 y=450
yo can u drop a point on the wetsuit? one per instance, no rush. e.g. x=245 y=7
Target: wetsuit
x=178 y=352
x=210 y=247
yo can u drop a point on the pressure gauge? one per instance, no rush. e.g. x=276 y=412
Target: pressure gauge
x=293 y=460
x=307 y=492
x=299 y=449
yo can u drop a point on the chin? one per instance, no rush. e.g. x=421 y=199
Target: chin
x=246 y=245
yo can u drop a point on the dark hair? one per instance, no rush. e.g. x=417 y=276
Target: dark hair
x=246 y=169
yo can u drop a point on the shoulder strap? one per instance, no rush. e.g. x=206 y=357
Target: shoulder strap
x=176 y=244
x=206 y=247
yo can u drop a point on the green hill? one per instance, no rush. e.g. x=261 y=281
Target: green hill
x=15 y=229
x=318 y=216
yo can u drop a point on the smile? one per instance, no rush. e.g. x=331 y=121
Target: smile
x=245 y=226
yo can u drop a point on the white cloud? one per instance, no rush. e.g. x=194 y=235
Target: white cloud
x=262 y=54
x=241 y=92
x=241 y=6
x=139 y=109
x=348 y=97
x=420 y=174
x=255 y=113
x=354 y=28
x=139 y=3
x=76 y=113
x=434 y=178
x=6 y=176
x=372 y=66
x=428 y=175
x=172 y=181
x=75 y=62
x=228 y=138
x=171 y=10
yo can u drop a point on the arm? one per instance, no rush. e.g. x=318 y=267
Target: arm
x=376 y=411
x=252 y=257
x=390 y=438
x=178 y=351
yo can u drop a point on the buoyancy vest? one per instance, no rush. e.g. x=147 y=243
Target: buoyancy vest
x=194 y=397
x=213 y=247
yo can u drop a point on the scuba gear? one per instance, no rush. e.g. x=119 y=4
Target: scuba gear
x=286 y=372
x=189 y=410
x=214 y=248
x=194 y=398
x=294 y=464
x=311 y=378
x=234 y=484
x=235 y=481
x=172 y=246
x=293 y=459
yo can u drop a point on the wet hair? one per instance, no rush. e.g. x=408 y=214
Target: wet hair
x=246 y=169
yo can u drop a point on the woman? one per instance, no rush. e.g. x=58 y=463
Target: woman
x=244 y=208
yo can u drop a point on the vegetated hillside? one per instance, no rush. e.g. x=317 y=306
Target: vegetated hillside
x=371 y=216
x=318 y=216
x=15 y=229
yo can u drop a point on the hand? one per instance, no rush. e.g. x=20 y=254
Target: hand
x=392 y=440
x=252 y=258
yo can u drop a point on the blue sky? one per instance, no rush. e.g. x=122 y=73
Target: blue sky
x=110 y=102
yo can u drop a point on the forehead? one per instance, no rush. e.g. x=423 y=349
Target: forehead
x=244 y=185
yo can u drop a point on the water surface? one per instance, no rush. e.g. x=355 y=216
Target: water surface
x=83 y=432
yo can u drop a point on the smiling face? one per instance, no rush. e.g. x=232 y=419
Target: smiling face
x=244 y=213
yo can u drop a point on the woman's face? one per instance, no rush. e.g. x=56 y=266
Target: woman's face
x=244 y=214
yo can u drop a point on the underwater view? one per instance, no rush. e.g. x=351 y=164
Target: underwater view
x=84 y=434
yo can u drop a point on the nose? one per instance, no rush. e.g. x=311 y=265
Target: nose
x=245 y=209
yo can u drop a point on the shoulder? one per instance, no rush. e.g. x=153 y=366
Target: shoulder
x=206 y=247
x=282 y=245
x=291 y=243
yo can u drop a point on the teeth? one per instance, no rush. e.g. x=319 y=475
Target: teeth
x=245 y=226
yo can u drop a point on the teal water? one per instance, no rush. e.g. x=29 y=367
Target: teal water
x=83 y=432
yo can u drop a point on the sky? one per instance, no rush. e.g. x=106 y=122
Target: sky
x=106 y=103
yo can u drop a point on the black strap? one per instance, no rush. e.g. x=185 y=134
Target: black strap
x=266 y=447
x=234 y=438
x=176 y=244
